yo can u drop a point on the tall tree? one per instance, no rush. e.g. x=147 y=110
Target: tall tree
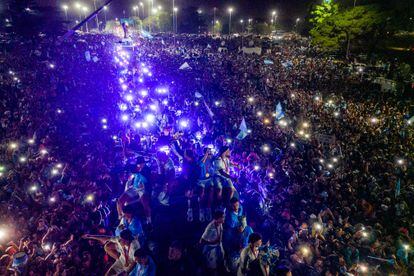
x=335 y=29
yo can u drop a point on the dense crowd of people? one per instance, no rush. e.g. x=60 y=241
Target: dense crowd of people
x=184 y=156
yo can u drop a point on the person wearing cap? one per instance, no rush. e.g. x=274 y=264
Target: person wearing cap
x=121 y=248
x=137 y=188
x=144 y=264
x=222 y=178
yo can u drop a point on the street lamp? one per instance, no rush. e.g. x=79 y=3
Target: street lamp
x=214 y=19
x=175 y=10
x=105 y=8
x=241 y=22
x=274 y=15
x=85 y=10
x=65 y=8
x=230 y=10
x=297 y=22
x=135 y=8
x=142 y=8
x=78 y=6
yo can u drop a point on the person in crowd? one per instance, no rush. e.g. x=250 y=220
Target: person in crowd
x=222 y=178
x=122 y=249
x=131 y=221
x=138 y=189
x=144 y=264
x=178 y=262
x=205 y=185
x=211 y=240
x=250 y=263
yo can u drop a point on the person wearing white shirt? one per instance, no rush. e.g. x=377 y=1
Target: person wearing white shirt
x=250 y=264
x=121 y=248
x=211 y=240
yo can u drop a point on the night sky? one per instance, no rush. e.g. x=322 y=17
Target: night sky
x=243 y=8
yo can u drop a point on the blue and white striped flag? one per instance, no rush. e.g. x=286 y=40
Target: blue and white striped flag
x=243 y=130
x=279 y=113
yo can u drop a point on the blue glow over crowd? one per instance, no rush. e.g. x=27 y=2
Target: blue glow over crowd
x=182 y=155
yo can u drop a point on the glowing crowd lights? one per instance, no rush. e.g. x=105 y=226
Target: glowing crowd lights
x=47 y=247
x=90 y=198
x=305 y=251
x=318 y=226
x=125 y=117
x=3 y=233
x=363 y=268
x=150 y=118
x=184 y=123
x=374 y=120
x=13 y=145
x=283 y=123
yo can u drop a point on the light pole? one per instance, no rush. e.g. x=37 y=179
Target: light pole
x=242 y=25
x=149 y=8
x=96 y=16
x=214 y=20
x=173 y=16
x=105 y=8
x=85 y=9
x=78 y=6
x=176 y=19
x=297 y=22
x=274 y=14
x=230 y=10
x=65 y=8
x=142 y=8
x=135 y=8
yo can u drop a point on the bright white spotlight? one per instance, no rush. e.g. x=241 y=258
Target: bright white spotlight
x=150 y=118
x=184 y=123
x=125 y=117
